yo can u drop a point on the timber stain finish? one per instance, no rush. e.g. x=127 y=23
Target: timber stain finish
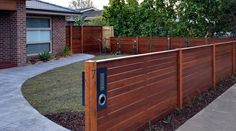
x=144 y=87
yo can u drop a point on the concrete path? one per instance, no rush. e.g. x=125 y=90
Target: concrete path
x=16 y=114
x=220 y=115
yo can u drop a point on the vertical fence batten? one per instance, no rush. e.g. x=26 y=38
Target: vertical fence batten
x=90 y=96
x=145 y=87
x=137 y=44
x=162 y=43
x=86 y=39
x=82 y=39
x=214 y=65
x=180 y=79
x=71 y=38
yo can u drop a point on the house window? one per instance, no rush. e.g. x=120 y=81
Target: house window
x=38 y=35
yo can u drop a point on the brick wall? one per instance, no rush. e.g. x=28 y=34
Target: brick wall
x=5 y=44
x=13 y=35
x=21 y=32
x=59 y=34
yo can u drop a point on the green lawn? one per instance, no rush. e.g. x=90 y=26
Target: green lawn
x=58 y=90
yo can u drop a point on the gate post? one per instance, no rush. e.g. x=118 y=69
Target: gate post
x=90 y=96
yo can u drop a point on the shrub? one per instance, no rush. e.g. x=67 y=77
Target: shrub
x=45 y=56
x=66 y=51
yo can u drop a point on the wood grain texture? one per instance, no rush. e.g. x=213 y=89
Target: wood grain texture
x=197 y=71
x=144 y=87
x=139 y=89
x=214 y=65
x=223 y=61
x=146 y=45
x=180 y=79
x=90 y=96
x=84 y=40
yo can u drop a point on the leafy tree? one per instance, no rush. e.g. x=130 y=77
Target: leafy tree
x=198 y=18
x=188 y=18
x=98 y=21
x=227 y=22
x=78 y=4
x=80 y=20
x=115 y=14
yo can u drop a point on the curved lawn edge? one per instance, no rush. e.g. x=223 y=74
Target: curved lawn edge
x=57 y=92
x=15 y=109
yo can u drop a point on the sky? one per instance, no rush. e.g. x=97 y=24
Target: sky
x=97 y=3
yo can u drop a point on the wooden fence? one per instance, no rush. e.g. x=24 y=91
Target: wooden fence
x=144 y=87
x=84 y=39
x=128 y=45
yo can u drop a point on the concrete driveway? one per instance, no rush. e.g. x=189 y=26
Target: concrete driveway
x=16 y=114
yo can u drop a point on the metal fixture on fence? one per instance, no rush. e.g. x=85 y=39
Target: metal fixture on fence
x=118 y=47
x=134 y=47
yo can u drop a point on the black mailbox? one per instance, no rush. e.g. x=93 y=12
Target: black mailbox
x=83 y=89
x=101 y=88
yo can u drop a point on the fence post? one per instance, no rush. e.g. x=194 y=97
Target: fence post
x=137 y=44
x=233 y=58
x=101 y=42
x=82 y=39
x=71 y=38
x=214 y=64
x=180 y=79
x=90 y=96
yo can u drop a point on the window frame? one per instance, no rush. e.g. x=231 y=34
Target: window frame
x=40 y=29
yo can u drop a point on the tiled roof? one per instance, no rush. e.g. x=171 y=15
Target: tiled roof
x=92 y=13
x=45 y=6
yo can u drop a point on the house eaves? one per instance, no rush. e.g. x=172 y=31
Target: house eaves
x=45 y=8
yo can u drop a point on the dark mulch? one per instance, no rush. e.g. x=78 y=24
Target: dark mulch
x=75 y=120
x=191 y=108
x=70 y=120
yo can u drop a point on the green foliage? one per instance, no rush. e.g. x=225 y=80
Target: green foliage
x=80 y=20
x=45 y=56
x=228 y=17
x=198 y=18
x=66 y=51
x=99 y=21
x=186 y=18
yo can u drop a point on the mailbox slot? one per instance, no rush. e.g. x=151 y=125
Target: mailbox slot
x=101 y=88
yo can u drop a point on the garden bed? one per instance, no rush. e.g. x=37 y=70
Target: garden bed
x=75 y=120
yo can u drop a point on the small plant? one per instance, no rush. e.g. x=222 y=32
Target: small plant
x=66 y=51
x=44 y=56
x=168 y=120
x=178 y=111
x=150 y=125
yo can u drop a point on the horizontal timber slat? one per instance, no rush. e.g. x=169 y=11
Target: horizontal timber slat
x=144 y=87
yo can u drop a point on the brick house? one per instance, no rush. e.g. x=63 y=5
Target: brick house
x=28 y=27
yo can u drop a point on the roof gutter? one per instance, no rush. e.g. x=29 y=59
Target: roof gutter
x=49 y=12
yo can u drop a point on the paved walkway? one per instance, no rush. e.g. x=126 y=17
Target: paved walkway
x=16 y=114
x=220 y=115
